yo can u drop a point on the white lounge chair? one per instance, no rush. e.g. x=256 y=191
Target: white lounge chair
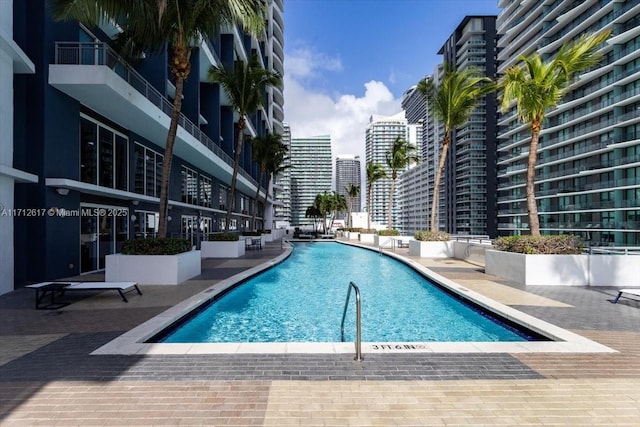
x=52 y=288
x=630 y=291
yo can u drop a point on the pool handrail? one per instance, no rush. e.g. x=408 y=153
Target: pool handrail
x=358 y=342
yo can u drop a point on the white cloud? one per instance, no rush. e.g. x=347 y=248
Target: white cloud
x=344 y=116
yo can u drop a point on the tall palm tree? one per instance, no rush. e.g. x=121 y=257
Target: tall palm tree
x=323 y=203
x=337 y=203
x=353 y=191
x=375 y=172
x=452 y=100
x=245 y=85
x=537 y=86
x=269 y=153
x=151 y=25
x=312 y=212
x=399 y=157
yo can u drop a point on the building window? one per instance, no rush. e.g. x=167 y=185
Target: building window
x=205 y=191
x=223 y=195
x=103 y=155
x=148 y=171
x=189 y=186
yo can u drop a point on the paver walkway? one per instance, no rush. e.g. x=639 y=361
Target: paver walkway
x=47 y=376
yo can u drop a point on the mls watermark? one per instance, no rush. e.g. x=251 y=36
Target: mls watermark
x=62 y=212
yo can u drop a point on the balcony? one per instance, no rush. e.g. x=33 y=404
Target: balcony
x=96 y=76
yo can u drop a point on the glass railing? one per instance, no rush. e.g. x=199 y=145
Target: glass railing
x=75 y=53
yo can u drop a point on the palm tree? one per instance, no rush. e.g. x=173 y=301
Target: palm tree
x=245 y=85
x=537 y=86
x=337 y=203
x=353 y=191
x=375 y=172
x=266 y=149
x=452 y=100
x=323 y=203
x=312 y=212
x=401 y=155
x=151 y=25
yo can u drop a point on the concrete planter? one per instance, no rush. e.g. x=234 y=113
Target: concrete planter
x=550 y=270
x=352 y=235
x=153 y=269
x=384 y=241
x=366 y=237
x=223 y=249
x=564 y=270
x=431 y=249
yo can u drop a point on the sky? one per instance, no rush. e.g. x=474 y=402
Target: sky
x=348 y=59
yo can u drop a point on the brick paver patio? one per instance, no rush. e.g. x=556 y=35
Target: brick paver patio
x=49 y=378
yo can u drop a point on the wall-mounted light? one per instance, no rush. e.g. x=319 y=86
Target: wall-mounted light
x=169 y=218
x=133 y=218
x=135 y=202
x=62 y=191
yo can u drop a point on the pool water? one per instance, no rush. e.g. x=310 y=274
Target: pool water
x=302 y=300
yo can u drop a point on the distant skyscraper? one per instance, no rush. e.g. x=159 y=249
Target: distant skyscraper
x=282 y=183
x=348 y=172
x=469 y=181
x=310 y=174
x=380 y=134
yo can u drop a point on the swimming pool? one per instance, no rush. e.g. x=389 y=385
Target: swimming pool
x=302 y=300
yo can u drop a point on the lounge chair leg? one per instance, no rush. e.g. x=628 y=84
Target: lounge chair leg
x=615 y=301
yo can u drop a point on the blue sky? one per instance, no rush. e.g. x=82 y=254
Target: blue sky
x=346 y=60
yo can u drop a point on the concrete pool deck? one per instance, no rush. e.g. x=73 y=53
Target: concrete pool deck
x=48 y=377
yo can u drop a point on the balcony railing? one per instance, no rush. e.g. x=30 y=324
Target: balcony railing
x=75 y=53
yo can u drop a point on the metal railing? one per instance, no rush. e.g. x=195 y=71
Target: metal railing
x=613 y=250
x=358 y=318
x=96 y=53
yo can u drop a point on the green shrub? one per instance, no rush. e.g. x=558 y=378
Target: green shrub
x=224 y=237
x=432 y=236
x=368 y=231
x=153 y=246
x=251 y=233
x=388 y=232
x=565 y=244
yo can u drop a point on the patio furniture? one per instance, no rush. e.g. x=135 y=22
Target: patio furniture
x=59 y=288
x=630 y=291
x=253 y=243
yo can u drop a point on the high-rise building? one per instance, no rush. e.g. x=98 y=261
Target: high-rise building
x=469 y=182
x=90 y=128
x=380 y=134
x=587 y=174
x=13 y=61
x=348 y=171
x=310 y=174
x=415 y=186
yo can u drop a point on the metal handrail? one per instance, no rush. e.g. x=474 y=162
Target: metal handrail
x=358 y=317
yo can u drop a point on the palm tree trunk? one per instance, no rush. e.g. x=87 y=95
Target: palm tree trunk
x=163 y=207
x=436 y=186
x=532 y=208
x=369 y=201
x=349 y=213
x=266 y=196
x=255 y=211
x=234 y=177
x=389 y=209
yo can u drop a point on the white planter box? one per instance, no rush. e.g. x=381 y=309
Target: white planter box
x=550 y=270
x=353 y=235
x=431 y=249
x=384 y=241
x=223 y=249
x=366 y=237
x=615 y=270
x=153 y=269
x=268 y=237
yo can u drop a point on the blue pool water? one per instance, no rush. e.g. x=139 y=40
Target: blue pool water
x=302 y=300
